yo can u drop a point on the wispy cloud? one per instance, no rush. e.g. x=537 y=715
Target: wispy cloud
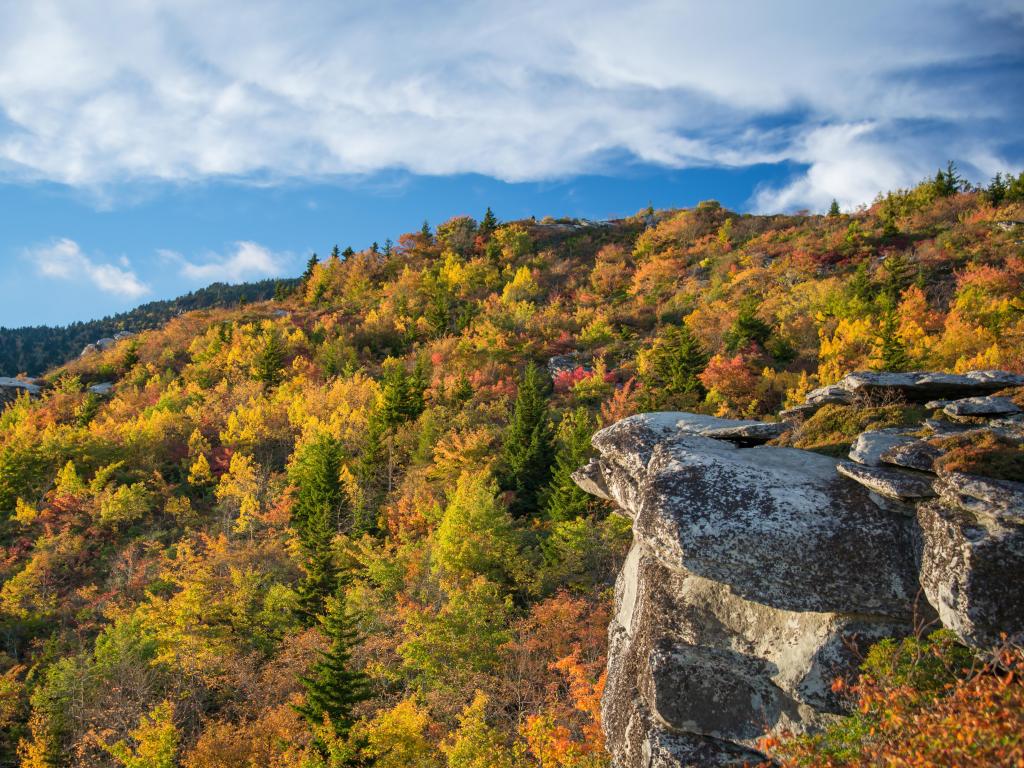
x=274 y=90
x=64 y=260
x=247 y=261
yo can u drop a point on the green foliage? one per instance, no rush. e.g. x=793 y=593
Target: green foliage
x=475 y=537
x=747 y=328
x=565 y=499
x=270 y=359
x=156 y=741
x=333 y=686
x=320 y=510
x=671 y=372
x=528 y=450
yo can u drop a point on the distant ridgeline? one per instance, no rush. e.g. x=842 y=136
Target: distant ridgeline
x=36 y=349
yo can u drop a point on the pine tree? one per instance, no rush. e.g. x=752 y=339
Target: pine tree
x=949 y=182
x=833 y=210
x=348 y=252
x=529 y=450
x=892 y=352
x=310 y=265
x=371 y=473
x=996 y=190
x=675 y=363
x=489 y=223
x=426 y=236
x=319 y=511
x=269 y=362
x=566 y=500
x=333 y=686
x=747 y=328
x=335 y=253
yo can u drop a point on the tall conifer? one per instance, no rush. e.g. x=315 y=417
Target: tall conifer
x=529 y=450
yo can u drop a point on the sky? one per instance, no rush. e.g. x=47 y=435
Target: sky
x=150 y=147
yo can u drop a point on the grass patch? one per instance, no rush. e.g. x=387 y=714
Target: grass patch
x=833 y=428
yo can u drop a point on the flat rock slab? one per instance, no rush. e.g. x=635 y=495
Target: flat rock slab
x=893 y=483
x=20 y=384
x=833 y=393
x=981 y=406
x=921 y=387
x=868 y=448
x=745 y=431
x=917 y=454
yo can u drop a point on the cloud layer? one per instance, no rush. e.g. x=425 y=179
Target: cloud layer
x=65 y=260
x=864 y=95
x=249 y=261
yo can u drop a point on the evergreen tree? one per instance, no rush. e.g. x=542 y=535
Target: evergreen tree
x=335 y=253
x=348 y=252
x=566 y=500
x=489 y=223
x=747 y=328
x=269 y=361
x=388 y=247
x=995 y=192
x=675 y=363
x=892 y=353
x=313 y=261
x=319 y=511
x=949 y=182
x=833 y=210
x=529 y=450
x=426 y=236
x=372 y=473
x=333 y=686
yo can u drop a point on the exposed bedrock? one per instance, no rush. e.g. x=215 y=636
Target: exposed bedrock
x=755 y=570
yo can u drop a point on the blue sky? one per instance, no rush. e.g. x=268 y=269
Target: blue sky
x=159 y=146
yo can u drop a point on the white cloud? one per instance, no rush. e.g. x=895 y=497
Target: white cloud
x=186 y=90
x=248 y=261
x=65 y=260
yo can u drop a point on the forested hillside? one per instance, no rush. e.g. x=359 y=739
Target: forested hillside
x=346 y=532
x=35 y=349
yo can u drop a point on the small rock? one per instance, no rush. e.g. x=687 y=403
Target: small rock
x=19 y=384
x=833 y=393
x=869 y=446
x=105 y=343
x=103 y=388
x=892 y=483
x=936 y=405
x=981 y=406
x=798 y=412
x=919 y=454
x=942 y=428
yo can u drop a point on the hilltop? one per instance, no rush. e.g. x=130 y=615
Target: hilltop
x=386 y=451
x=33 y=350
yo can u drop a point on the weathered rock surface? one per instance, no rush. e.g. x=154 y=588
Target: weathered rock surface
x=868 y=448
x=749 y=567
x=971 y=568
x=752 y=565
x=920 y=387
x=981 y=406
x=891 y=483
x=11 y=389
x=918 y=454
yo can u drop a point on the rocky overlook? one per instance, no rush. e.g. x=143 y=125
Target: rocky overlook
x=757 y=568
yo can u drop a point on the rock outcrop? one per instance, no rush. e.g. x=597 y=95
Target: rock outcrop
x=755 y=569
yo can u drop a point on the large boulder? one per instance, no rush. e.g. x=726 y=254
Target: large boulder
x=751 y=567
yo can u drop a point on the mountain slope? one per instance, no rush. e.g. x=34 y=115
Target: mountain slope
x=382 y=438
x=35 y=349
